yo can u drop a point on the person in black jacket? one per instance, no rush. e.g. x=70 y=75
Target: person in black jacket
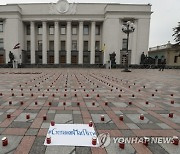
x=162 y=64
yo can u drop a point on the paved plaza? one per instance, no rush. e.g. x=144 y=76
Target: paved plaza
x=40 y=92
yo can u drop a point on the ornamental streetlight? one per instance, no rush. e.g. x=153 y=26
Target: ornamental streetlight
x=127 y=28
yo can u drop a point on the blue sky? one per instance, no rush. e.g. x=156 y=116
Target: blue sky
x=166 y=15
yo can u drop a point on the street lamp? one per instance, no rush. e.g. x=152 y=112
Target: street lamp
x=127 y=28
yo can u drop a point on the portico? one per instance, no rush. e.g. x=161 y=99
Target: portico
x=71 y=33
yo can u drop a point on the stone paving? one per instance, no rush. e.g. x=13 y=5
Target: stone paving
x=29 y=91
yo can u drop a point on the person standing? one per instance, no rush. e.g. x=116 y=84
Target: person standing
x=162 y=64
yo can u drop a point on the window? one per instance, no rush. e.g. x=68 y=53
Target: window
x=86 y=59
x=51 y=30
x=86 y=30
x=74 y=30
x=63 y=45
x=1 y=26
x=51 y=45
x=97 y=29
x=40 y=45
x=124 y=44
x=63 y=30
x=74 y=45
x=1 y=43
x=97 y=45
x=28 y=57
x=28 y=45
x=97 y=59
x=85 y=46
x=28 y=30
x=39 y=29
x=175 y=59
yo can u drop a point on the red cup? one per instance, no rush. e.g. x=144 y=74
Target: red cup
x=22 y=102
x=90 y=123
x=121 y=145
x=48 y=139
x=142 y=117
x=171 y=115
x=145 y=141
x=52 y=122
x=4 y=141
x=44 y=117
x=8 y=115
x=175 y=140
x=121 y=117
x=102 y=117
x=27 y=116
x=94 y=140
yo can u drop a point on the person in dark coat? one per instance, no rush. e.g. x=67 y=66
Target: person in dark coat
x=162 y=64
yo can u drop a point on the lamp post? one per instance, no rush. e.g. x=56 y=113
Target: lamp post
x=127 y=28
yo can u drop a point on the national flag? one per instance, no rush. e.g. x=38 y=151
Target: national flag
x=17 y=46
x=103 y=48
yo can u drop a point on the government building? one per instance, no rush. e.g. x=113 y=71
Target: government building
x=73 y=33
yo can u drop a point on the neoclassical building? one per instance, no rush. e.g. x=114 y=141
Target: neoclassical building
x=72 y=33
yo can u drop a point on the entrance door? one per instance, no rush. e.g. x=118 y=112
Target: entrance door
x=63 y=59
x=1 y=59
x=74 y=59
x=51 y=59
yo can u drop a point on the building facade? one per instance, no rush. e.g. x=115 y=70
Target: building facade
x=171 y=52
x=72 y=33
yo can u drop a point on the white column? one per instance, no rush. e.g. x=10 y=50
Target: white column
x=80 y=58
x=44 y=41
x=56 y=42
x=68 y=43
x=92 y=43
x=33 y=61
